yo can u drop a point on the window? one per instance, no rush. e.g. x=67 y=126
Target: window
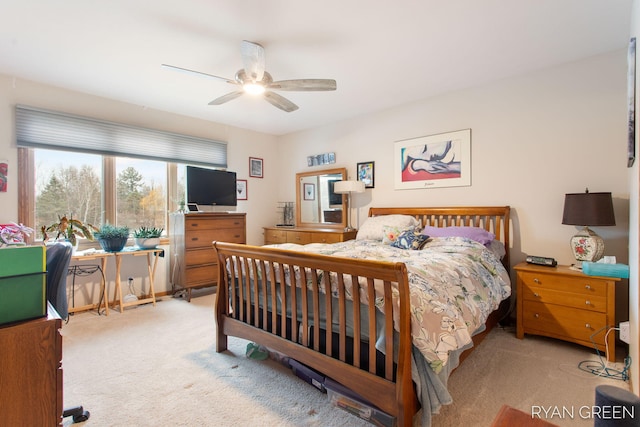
x=101 y=171
x=141 y=193
x=69 y=184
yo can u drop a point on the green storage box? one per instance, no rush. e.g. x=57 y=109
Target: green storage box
x=17 y=260
x=22 y=297
x=23 y=283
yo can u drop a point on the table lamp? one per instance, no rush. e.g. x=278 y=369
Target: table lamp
x=348 y=187
x=588 y=209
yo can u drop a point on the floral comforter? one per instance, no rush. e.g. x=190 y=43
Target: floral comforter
x=455 y=283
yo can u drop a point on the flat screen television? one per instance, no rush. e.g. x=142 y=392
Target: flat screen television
x=211 y=187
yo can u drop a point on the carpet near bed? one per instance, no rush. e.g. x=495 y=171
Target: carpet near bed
x=154 y=366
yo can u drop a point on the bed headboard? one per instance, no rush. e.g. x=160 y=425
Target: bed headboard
x=492 y=218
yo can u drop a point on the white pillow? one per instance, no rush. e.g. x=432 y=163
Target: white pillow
x=373 y=227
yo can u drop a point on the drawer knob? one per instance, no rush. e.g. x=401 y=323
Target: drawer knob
x=587 y=325
x=587 y=302
x=536 y=280
x=537 y=295
x=536 y=315
x=587 y=287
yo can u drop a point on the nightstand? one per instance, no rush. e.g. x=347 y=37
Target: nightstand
x=563 y=303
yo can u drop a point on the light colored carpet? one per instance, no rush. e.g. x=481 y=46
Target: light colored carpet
x=153 y=366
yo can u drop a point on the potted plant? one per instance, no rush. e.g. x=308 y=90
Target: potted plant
x=68 y=229
x=112 y=238
x=147 y=237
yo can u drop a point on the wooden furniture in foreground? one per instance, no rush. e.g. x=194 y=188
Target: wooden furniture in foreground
x=510 y=417
x=563 y=303
x=193 y=263
x=31 y=373
x=118 y=256
x=304 y=236
x=343 y=356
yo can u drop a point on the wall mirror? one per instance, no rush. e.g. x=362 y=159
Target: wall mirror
x=317 y=205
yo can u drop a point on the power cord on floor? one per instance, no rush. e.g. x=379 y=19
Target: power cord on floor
x=602 y=367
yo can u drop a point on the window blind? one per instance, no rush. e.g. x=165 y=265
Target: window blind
x=38 y=128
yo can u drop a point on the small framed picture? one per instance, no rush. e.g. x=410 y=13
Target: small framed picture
x=241 y=187
x=366 y=173
x=309 y=191
x=255 y=167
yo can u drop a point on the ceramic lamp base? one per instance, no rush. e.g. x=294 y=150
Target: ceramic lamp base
x=587 y=246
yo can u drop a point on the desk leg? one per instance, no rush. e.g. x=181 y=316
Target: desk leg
x=152 y=273
x=118 y=282
x=105 y=292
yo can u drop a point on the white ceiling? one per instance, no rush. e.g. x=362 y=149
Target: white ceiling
x=381 y=53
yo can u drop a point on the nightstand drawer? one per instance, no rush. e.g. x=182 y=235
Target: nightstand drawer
x=582 y=285
x=563 y=322
x=583 y=301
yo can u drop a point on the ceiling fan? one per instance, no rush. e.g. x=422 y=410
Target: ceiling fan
x=254 y=79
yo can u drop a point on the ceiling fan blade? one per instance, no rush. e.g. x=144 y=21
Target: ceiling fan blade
x=253 y=60
x=280 y=101
x=226 y=98
x=307 y=85
x=186 y=70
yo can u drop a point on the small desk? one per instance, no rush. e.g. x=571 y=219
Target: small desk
x=127 y=251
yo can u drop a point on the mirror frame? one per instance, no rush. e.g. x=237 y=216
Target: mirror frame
x=332 y=225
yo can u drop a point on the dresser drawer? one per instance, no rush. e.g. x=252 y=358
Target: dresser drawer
x=205 y=238
x=564 y=322
x=300 y=238
x=275 y=236
x=326 y=237
x=200 y=256
x=206 y=274
x=581 y=285
x=218 y=224
x=583 y=301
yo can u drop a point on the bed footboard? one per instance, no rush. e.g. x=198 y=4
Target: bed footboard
x=277 y=298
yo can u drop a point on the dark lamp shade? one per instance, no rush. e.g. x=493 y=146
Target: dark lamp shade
x=588 y=209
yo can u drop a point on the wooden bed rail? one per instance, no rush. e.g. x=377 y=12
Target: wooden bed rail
x=257 y=301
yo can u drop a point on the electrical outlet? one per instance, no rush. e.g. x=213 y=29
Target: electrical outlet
x=624 y=332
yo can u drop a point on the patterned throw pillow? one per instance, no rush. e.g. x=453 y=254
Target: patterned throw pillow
x=411 y=239
x=391 y=233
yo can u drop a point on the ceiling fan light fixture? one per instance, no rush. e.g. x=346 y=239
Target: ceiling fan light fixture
x=253 y=88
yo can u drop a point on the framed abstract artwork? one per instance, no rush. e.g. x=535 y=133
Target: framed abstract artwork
x=366 y=174
x=442 y=160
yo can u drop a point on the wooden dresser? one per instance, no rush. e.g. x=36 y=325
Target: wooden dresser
x=563 y=303
x=31 y=373
x=193 y=262
x=303 y=236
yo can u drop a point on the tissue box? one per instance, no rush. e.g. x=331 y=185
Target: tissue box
x=23 y=283
x=607 y=270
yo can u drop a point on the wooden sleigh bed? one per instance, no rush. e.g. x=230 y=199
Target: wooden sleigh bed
x=257 y=301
